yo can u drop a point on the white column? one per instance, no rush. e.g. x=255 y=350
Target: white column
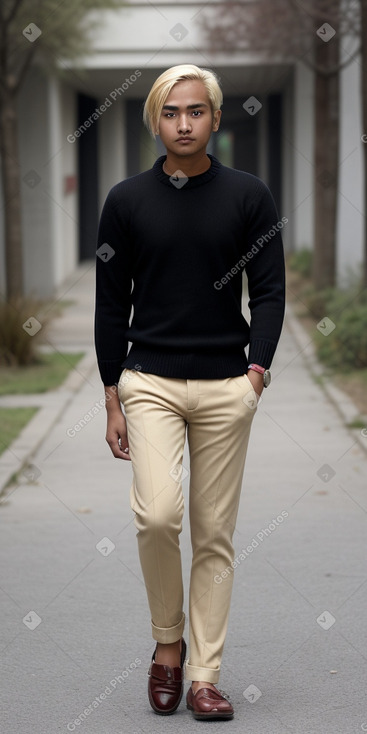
x=350 y=198
x=263 y=122
x=34 y=156
x=302 y=144
x=287 y=154
x=55 y=180
x=111 y=148
x=70 y=183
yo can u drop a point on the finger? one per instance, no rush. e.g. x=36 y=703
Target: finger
x=120 y=453
x=124 y=447
x=119 y=448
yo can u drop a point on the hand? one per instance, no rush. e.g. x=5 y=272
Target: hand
x=256 y=380
x=116 y=435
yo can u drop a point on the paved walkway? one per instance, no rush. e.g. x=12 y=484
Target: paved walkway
x=75 y=635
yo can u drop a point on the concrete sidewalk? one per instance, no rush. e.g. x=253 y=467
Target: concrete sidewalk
x=75 y=636
x=70 y=332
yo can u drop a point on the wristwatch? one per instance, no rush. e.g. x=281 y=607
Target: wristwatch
x=265 y=373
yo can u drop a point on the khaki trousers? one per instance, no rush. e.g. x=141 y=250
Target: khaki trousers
x=218 y=416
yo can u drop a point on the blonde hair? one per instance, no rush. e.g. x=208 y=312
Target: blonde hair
x=163 y=85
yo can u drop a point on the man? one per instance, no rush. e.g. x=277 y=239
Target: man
x=173 y=243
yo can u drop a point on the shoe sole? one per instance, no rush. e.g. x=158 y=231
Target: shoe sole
x=210 y=714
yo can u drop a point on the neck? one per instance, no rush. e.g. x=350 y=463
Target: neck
x=191 y=165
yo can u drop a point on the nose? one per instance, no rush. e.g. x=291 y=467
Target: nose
x=183 y=124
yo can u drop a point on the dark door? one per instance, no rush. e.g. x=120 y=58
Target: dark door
x=237 y=142
x=88 y=179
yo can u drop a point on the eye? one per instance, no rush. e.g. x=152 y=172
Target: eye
x=196 y=113
x=169 y=114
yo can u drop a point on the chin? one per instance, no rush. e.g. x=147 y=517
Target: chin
x=183 y=150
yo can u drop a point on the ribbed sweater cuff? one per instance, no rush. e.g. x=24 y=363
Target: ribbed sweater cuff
x=110 y=371
x=261 y=352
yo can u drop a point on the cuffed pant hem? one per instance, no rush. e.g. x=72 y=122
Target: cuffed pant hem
x=169 y=634
x=192 y=672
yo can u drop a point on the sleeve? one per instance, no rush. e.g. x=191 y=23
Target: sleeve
x=265 y=271
x=113 y=289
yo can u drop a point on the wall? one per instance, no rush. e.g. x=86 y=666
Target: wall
x=350 y=203
x=48 y=185
x=35 y=191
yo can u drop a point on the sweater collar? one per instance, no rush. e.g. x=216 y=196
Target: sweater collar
x=192 y=181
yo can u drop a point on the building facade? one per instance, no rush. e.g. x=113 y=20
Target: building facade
x=82 y=133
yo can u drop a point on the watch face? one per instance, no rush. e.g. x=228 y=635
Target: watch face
x=267 y=378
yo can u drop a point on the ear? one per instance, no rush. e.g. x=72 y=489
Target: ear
x=216 y=120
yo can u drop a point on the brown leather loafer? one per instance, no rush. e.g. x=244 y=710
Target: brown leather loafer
x=208 y=704
x=165 y=685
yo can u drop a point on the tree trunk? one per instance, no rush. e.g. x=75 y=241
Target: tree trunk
x=364 y=127
x=10 y=172
x=326 y=163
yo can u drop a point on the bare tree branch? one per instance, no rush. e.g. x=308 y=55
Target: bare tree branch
x=65 y=30
x=330 y=71
x=287 y=30
x=315 y=11
x=13 y=12
x=17 y=82
x=286 y=27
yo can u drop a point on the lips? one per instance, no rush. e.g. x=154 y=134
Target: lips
x=184 y=140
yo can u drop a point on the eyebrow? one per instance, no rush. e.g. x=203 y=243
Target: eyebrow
x=189 y=106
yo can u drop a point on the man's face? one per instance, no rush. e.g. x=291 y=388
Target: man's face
x=187 y=120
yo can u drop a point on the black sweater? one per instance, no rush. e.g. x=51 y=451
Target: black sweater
x=175 y=253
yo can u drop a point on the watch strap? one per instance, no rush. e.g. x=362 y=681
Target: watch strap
x=257 y=368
